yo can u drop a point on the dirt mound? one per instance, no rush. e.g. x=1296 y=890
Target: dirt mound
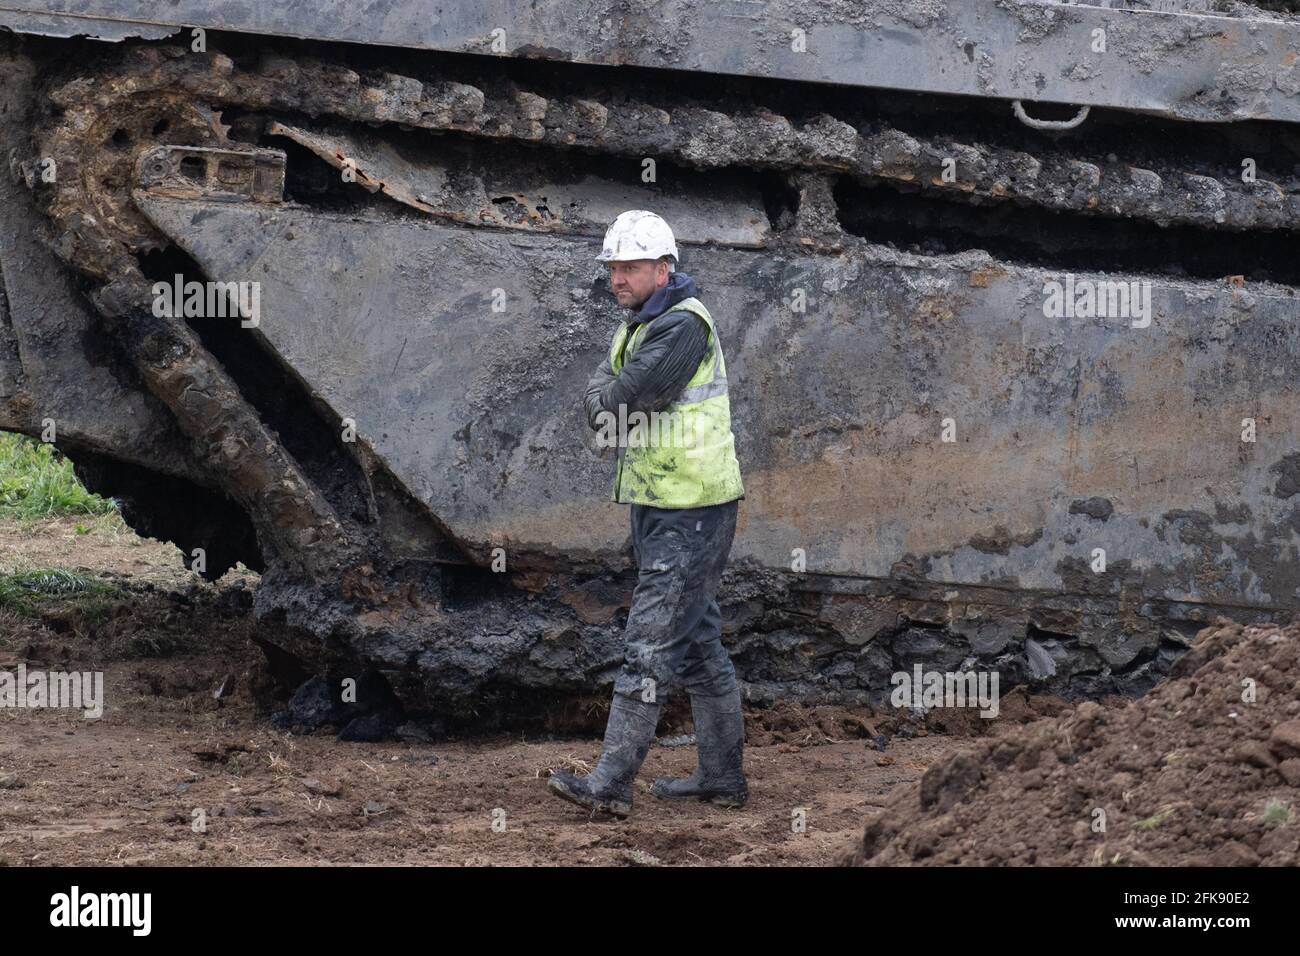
x=1204 y=770
x=796 y=723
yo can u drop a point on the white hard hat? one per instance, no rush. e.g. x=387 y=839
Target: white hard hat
x=638 y=234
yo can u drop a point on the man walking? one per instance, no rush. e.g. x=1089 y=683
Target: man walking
x=682 y=480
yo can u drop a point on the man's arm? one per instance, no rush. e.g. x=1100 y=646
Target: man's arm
x=650 y=381
x=596 y=385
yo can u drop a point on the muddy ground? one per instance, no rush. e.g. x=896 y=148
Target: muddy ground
x=134 y=786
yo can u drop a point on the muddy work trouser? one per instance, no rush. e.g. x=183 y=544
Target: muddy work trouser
x=674 y=629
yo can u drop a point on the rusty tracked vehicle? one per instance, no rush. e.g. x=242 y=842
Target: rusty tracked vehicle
x=900 y=213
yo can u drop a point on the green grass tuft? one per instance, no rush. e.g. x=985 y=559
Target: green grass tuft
x=37 y=482
x=1278 y=813
x=1153 y=821
x=21 y=590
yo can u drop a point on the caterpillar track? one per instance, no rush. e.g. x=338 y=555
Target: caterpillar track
x=934 y=462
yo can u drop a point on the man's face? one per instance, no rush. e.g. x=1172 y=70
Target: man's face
x=635 y=281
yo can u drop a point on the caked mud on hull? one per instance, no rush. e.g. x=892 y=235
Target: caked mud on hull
x=1012 y=397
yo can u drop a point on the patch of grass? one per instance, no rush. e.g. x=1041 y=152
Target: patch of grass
x=1153 y=821
x=1278 y=812
x=37 y=482
x=21 y=591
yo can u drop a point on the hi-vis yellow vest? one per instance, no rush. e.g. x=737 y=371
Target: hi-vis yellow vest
x=684 y=456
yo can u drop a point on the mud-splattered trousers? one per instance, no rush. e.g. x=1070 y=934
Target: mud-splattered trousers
x=674 y=629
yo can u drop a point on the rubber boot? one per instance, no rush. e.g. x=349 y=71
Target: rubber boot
x=628 y=735
x=720 y=743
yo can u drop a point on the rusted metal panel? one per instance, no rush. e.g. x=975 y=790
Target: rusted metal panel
x=1070 y=434
x=199 y=172
x=512 y=197
x=1191 y=65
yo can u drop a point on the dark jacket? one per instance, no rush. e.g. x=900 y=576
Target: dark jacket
x=672 y=348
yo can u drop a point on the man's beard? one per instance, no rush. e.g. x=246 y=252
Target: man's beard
x=635 y=304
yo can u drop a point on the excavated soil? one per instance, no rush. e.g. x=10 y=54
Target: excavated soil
x=1194 y=773
x=1189 y=774
x=130 y=787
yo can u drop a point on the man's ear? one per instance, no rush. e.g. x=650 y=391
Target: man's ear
x=661 y=272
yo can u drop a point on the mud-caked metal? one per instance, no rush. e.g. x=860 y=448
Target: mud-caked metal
x=940 y=463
